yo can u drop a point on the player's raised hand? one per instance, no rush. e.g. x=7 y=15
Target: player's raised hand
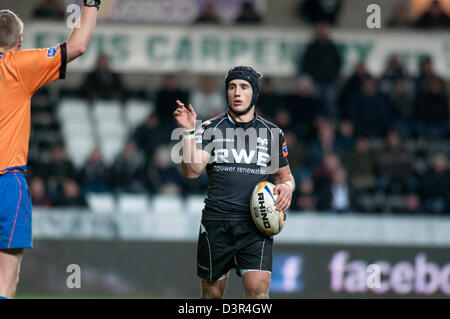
x=185 y=117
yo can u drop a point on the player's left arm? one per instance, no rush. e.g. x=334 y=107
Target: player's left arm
x=284 y=182
x=284 y=187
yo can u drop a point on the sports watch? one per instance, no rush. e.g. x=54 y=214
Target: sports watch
x=92 y=3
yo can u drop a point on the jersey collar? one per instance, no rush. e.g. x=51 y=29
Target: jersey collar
x=245 y=124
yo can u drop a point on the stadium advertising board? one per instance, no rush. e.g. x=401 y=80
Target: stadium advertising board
x=215 y=49
x=361 y=272
x=167 y=269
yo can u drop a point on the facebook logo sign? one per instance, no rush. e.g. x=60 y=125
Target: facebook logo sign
x=287 y=274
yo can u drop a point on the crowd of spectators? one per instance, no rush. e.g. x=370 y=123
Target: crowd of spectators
x=383 y=148
x=434 y=17
x=247 y=15
x=309 y=11
x=357 y=143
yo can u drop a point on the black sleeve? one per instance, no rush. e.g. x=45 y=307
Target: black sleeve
x=283 y=150
x=63 y=67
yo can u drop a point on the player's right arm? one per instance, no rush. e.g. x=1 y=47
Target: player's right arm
x=80 y=37
x=194 y=160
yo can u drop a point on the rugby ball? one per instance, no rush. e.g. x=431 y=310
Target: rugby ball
x=262 y=208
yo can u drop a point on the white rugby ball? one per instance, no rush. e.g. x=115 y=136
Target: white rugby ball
x=262 y=208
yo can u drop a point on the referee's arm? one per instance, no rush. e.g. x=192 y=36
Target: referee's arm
x=284 y=186
x=81 y=36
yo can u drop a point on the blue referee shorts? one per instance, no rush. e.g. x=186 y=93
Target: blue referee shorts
x=15 y=212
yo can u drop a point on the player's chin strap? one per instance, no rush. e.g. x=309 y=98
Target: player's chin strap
x=242 y=112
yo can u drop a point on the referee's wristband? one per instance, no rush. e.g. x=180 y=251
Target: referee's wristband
x=92 y=3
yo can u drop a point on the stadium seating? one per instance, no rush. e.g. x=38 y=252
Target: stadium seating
x=129 y=203
x=101 y=203
x=166 y=204
x=195 y=204
x=79 y=148
x=136 y=111
x=106 y=125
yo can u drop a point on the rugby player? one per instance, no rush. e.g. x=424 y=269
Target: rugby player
x=235 y=161
x=22 y=73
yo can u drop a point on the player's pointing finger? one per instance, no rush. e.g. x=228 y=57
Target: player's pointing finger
x=191 y=109
x=179 y=103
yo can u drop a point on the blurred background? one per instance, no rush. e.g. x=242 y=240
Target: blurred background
x=365 y=113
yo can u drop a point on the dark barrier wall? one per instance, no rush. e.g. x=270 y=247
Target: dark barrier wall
x=167 y=269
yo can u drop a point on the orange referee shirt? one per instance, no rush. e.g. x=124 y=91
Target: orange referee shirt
x=21 y=74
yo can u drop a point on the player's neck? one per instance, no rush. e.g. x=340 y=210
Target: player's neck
x=245 y=118
x=4 y=51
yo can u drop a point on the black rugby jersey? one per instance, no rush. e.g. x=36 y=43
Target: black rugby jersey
x=242 y=155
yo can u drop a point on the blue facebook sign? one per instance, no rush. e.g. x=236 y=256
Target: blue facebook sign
x=287 y=273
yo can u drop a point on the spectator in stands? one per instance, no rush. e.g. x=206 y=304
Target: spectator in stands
x=150 y=135
x=400 y=17
x=340 y=193
x=412 y=204
x=49 y=10
x=128 y=171
x=402 y=105
x=283 y=119
x=248 y=15
x=432 y=109
x=426 y=72
x=103 y=83
x=163 y=176
x=38 y=193
x=434 y=18
x=322 y=61
x=305 y=198
x=435 y=186
x=345 y=139
x=394 y=163
x=324 y=143
x=304 y=106
x=314 y=11
x=361 y=166
x=208 y=14
x=323 y=173
x=296 y=154
x=269 y=99
x=57 y=167
x=166 y=97
x=95 y=174
x=208 y=102
x=326 y=176
x=352 y=86
x=71 y=196
x=394 y=71
x=369 y=110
